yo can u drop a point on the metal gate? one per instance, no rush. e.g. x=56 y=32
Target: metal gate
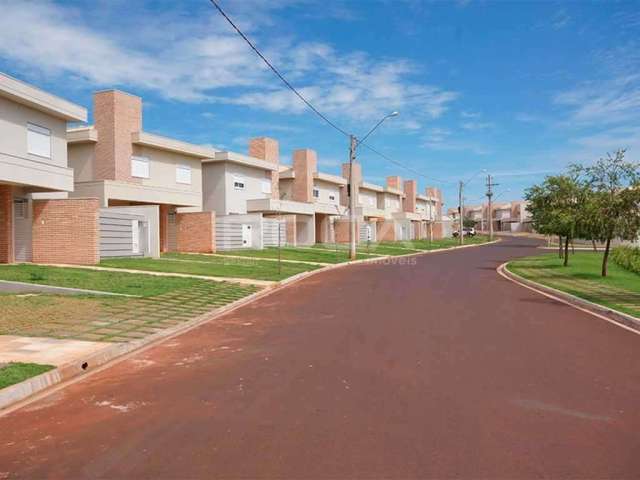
x=22 y=230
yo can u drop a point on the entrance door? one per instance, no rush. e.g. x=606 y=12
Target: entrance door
x=246 y=235
x=22 y=230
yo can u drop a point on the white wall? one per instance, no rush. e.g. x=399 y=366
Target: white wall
x=368 y=198
x=325 y=191
x=220 y=194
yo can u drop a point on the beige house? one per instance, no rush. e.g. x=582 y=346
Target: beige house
x=255 y=207
x=124 y=167
x=37 y=223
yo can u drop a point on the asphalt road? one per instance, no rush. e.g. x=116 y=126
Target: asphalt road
x=436 y=369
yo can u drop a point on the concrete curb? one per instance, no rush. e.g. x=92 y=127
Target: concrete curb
x=620 y=319
x=17 y=396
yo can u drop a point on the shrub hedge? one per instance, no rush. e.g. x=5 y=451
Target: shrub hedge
x=627 y=257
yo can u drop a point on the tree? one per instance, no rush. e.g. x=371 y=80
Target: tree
x=612 y=209
x=468 y=222
x=555 y=207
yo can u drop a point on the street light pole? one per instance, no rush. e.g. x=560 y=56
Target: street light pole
x=460 y=212
x=353 y=145
x=352 y=199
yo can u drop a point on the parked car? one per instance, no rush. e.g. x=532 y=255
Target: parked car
x=466 y=231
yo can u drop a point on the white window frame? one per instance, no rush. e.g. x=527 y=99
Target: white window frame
x=265 y=186
x=183 y=174
x=142 y=162
x=36 y=135
x=239 y=183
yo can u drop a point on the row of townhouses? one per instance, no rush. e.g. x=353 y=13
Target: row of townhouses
x=506 y=216
x=75 y=195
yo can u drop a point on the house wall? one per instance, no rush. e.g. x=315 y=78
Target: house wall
x=66 y=231
x=229 y=231
x=391 y=203
x=325 y=191
x=220 y=194
x=19 y=167
x=268 y=149
x=151 y=214
x=368 y=198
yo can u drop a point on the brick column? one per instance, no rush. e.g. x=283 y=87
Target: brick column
x=410 y=190
x=164 y=228
x=305 y=164
x=6 y=224
x=268 y=149
x=394 y=182
x=66 y=231
x=196 y=232
x=290 y=222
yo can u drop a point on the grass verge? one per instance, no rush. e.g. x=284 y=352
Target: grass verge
x=114 y=282
x=211 y=266
x=620 y=290
x=297 y=254
x=13 y=373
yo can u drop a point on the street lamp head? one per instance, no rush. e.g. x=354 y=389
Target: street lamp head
x=394 y=114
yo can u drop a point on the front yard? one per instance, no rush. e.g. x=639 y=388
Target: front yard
x=12 y=373
x=160 y=302
x=211 y=266
x=620 y=290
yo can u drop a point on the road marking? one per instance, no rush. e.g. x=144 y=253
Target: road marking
x=501 y=269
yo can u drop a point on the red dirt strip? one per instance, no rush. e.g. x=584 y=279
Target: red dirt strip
x=439 y=368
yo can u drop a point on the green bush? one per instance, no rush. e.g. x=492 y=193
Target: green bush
x=627 y=257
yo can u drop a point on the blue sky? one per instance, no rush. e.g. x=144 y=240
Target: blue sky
x=518 y=88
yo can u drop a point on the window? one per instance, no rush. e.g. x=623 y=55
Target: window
x=38 y=140
x=332 y=197
x=266 y=186
x=183 y=174
x=140 y=167
x=316 y=193
x=238 y=183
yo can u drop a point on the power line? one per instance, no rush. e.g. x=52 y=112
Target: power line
x=307 y=102
x=275 y=70
x=410 y=169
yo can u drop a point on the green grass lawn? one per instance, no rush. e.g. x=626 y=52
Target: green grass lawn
x=299 y=254
x=115 y=282
x=620 y=290
x=13 y=373
x=212 y=266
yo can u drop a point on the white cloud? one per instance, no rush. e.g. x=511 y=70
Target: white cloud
x=476 y=125
x=442 y=139
x=201 y=59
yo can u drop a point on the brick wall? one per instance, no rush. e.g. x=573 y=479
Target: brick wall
x=305 y=164
x=117 y=115
x=357 y=180
x=164 y=228
x=268 y=149
x=6 y=224
x=386 y=231
x=394 y=182
x=66 y=231
x=196 y=232
x=438 y=231
x=410 y=190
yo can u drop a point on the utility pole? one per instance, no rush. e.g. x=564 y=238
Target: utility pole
x=352 y=199
x=490 y=186
x=460 y=213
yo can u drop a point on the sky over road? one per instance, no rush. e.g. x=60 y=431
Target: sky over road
x=518 y=88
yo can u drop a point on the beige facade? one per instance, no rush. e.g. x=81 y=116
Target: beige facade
x=120 y=164
x=33 y=167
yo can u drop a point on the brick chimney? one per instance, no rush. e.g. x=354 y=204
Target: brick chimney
x=268 y=149
x=437 y=193
x=357 y=180
x=410 y=190
x=305 y=164
x=116 y=116
x=394 y=182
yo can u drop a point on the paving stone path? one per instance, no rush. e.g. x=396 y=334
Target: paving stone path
x=126 y=319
